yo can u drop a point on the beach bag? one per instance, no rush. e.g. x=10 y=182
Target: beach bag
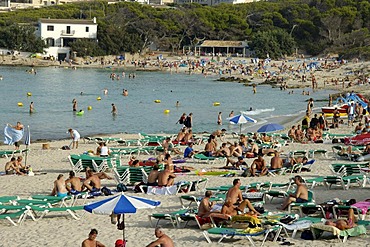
x=121 y=187
x=106 y=191
x=307 y=235
x=66 y=147
x=246 y=173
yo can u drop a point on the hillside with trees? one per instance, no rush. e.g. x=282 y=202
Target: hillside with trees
x=276 y=27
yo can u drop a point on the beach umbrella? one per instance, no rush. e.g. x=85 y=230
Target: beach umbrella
x=120 y=204
x=27 y=142
x=271 y=127
x=241 y=119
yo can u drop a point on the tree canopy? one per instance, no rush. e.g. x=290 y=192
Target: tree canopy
x=275 y=27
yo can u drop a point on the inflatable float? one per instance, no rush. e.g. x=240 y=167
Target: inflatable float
x=20 y=104
x=216 y=103
x=157 y=101
x=166 y=111
x=29 y=94
x=80 y=113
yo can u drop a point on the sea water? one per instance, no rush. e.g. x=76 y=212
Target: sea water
x=53 y=89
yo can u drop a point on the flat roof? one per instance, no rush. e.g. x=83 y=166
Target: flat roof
x=67 y=21
x=223 y=43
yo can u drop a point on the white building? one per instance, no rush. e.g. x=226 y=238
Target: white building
x=59 y=33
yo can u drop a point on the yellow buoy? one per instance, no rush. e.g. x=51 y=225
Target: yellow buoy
x=89 y=108
x=29 y=94
x=20 y=104
x=166 y=111
x=98 y=98
x=216 y=103
x=157 y=101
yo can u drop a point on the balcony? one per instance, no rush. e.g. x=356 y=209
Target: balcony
x=65 y=33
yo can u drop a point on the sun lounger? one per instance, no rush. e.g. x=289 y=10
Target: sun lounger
x=299 y=225
x=313 y=152
x=247 y=233
x=196 y=199
x=357 y=211
x=319 y=228
x=171 y=216
x=344 y=181
x=9 y=153
x=15 y=218
x=201 y=157
x=8 y=199
x=296 y=205
x=46 y=210
x=298 y=153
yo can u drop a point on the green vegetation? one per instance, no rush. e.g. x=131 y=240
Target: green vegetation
x=276 y=27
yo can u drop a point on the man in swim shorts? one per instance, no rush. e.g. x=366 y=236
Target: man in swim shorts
x=166 y=177
x=300 y=195
x=59 y=189
x=92 y=182
x=73 y=183
x=75 y=137
x=91 y=240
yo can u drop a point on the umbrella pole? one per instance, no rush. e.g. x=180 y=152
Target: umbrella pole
x=240 y=129
x=123 y=229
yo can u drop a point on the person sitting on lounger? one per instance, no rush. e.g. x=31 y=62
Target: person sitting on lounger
x=276 y=161
x=237 y=164
x=73 y=183
x=163 y=240
x=210 y=148
x=291 y=133
x=234 y=195
x=205 y=205
x=300 y=195
x=153 y=176
x=224 y=151
x=219 y=133
x=189 y=151
x=181 y=135
x=229 y=209
x=258 y=164
x=252 y=152
x=296 y=160
x=344 y=224
x=92 y=182
x=59 y=189
x=166 y=177
x=168 y=146
x=101 y=175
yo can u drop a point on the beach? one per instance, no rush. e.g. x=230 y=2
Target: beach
x=62 y=230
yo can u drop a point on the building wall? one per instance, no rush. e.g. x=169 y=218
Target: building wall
x=56 y=35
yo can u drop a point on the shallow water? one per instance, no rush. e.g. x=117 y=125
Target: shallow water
x=53 y=90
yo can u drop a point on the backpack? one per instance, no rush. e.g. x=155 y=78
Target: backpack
x=106 y=191
x=307 y=235
x=66 y=147
x=121 y=187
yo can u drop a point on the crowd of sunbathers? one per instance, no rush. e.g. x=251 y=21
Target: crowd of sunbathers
x=75 y=185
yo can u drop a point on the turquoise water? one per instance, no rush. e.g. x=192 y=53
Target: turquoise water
x=53 y=90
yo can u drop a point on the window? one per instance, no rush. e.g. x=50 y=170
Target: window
x=50 y=42
x=87 y=29
x=68 y=29
x=50 y=28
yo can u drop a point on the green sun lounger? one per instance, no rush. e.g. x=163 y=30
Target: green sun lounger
x=231 y=232
x=171 y=216
x=319 y=228
x=14 y=218
x=33 y=210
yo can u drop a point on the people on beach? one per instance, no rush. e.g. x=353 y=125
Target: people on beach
x=342 y=224
x=91 y=240
x=104 y=150
x=234 y=197
x=59 y=188
x=18 y=126
x=189 y=151
x=276 y=161
x=92 y=182
x=189 y=121
x=300 y=195
x=166 y=177
x=22 y=168
x=205 y=206
x=168 y=146
x=231 y=114
x=258 y=165
x=125 y=92
x=162 y=239
x=73 y=184
x=11 y=167
x=153 y=176
x=75 y=137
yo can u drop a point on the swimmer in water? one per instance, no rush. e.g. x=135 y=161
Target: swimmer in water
x=177 y=103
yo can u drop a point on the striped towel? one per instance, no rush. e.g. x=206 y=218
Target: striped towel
x=12 y=135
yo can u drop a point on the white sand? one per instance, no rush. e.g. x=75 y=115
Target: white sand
x=62 y=230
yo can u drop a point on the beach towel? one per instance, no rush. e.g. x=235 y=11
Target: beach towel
x=12 y=135
x=363 y=206
x=160 y=190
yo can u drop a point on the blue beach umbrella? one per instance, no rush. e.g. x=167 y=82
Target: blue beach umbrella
x=120 y=204
x=271 y=127
x=241 y=119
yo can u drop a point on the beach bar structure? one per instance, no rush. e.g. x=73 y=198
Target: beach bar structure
x=223 y=48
